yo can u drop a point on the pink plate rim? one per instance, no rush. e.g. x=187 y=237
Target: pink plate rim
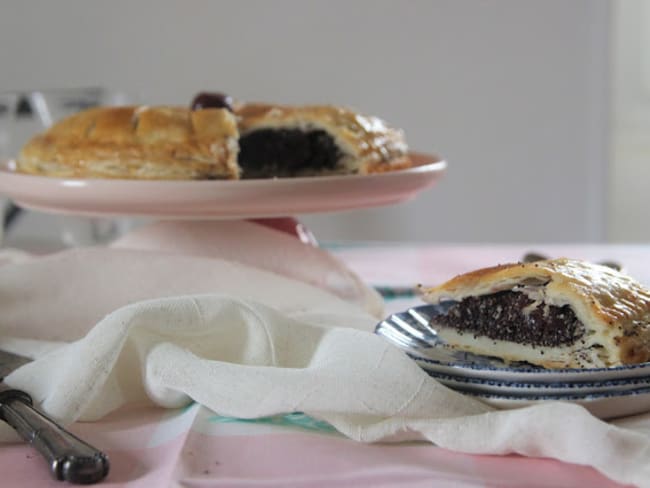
x=220 y=198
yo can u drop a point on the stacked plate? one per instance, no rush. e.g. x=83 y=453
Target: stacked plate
x=606 y=392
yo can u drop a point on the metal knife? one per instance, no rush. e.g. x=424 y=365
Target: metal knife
x=70 y=459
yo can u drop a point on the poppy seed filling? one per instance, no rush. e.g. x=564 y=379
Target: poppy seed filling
x=513 y=316
x=287 y=152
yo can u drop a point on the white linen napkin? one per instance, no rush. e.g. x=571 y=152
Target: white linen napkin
x=244 y=359
x=115 y=327
x=255 y=245
x=60 y=297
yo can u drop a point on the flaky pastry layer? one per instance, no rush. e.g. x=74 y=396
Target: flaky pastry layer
x=137 y=142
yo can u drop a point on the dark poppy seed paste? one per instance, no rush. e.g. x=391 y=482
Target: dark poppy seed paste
x=511 y=316
x=287 y=152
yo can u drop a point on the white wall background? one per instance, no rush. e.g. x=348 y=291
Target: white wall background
x=630 y=172
x=513 y=93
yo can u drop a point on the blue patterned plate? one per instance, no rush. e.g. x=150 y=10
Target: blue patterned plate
x=602 y=405
x=536 y=390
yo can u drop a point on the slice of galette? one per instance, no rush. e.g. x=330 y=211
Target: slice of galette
x=558 y=313
x=313 y=140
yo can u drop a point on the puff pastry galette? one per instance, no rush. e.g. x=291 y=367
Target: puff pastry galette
x=559 y=313
x=137 y=143
x=203 y=142
x=277 y=140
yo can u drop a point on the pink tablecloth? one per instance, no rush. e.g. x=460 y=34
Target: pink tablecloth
x=195 y=447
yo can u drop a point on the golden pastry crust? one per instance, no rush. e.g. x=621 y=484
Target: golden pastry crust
x=137 y=142
x=367 y=143
x=613 y=307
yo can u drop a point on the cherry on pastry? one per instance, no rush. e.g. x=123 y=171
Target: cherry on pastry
x=212 y=100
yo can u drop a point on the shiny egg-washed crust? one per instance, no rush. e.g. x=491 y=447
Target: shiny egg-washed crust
x=137 y=142
x=367 y=143
x=614 y=308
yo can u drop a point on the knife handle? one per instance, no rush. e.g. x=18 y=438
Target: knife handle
x=70 y=458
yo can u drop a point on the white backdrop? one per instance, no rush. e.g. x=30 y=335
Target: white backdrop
x=513 y=93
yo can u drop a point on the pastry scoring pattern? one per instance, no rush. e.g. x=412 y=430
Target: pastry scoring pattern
x=137 y=142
